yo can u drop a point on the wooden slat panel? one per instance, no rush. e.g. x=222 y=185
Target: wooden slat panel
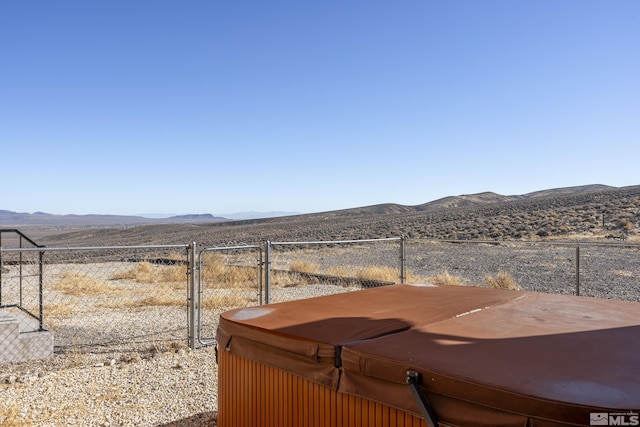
x=253 y=394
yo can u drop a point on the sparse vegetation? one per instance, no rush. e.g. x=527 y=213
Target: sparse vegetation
x=145 y=272
x=502 y=280
x=596 y=215
x=11 y=417
x=215 y=270
x=226 y=300
x=74 y=283
x=627 y=225
x=142 y=287
x=372 y=272
x=301 y=266
x=58 y=311
x=162 y=297
x=445 y=278
x=385 y=274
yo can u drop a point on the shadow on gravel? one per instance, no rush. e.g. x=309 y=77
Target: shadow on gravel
x=197 y=420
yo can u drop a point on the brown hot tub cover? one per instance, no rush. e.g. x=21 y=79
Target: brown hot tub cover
x=484 y=356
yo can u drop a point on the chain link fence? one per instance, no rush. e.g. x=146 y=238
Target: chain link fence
x=106 y=299
x=60 y=300
x=299 y=270
x=587 y=269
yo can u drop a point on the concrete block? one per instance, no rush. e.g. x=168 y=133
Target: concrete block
x=17 y=347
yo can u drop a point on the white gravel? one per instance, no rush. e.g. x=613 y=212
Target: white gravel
x=172 y=386
x=114 y=390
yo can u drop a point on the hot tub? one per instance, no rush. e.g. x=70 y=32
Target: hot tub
x=415 y=355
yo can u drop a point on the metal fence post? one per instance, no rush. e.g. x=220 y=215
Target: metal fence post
x=578 y=270
x=192 y=297
x=260 y=275
x=41 y=291
x=403 y=259
x=1 y=266
x=267 y=273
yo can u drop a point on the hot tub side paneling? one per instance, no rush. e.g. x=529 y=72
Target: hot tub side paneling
x=486 y=357
x=255 y=394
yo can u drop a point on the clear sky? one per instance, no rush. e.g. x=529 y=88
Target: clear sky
x=154 y=106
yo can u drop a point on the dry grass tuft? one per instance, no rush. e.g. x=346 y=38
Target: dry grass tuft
x=384 y=274
x=162 y=300
x=58 y=311
x=215 y=270
x=300 y=266
x=502 y=280
x=11 y=417
x=73 y=283
x=340 y=270
x=164 y=296
x=224 y=301
x=286 y=280
x=445 y=278
x=141 y=273
x=372 y=272
x=627 y=225
x=145 y=272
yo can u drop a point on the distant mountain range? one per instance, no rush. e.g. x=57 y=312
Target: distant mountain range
x=17 y=219
x=462 y=201
x=257 y=215
x=9 y=219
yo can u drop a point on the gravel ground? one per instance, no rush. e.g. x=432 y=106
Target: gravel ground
x=177 y=387
x=162 y=386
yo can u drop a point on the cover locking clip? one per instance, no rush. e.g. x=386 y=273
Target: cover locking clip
x=413 y=379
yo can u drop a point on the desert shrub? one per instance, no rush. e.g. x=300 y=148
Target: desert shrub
x=142 y=273
x=301 y=266
x=74 y=283
x=385 y=274
x=164 y=299
x=445 y=278
x=340 y=270
x=542 y=233
x=11 y=416
x=145 y=272
x=627 y=224
x=58 y=310
x=502 y=280
x=173 y=273
x=215 y=270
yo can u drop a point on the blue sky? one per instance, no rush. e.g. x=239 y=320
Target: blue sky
x=153 y=106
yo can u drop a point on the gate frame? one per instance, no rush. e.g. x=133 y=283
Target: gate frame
x=196 y=291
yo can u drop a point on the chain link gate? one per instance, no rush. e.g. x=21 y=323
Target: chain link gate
x=228 y=277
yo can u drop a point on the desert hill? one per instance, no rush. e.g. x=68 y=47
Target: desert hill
x=579 y=213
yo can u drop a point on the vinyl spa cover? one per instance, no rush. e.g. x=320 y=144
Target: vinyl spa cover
x=477 y=357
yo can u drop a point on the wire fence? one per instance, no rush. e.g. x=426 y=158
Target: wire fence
x=305 y=269
x=92 y=299
x=585 y=269
x=228 y=277
x=106 y=299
